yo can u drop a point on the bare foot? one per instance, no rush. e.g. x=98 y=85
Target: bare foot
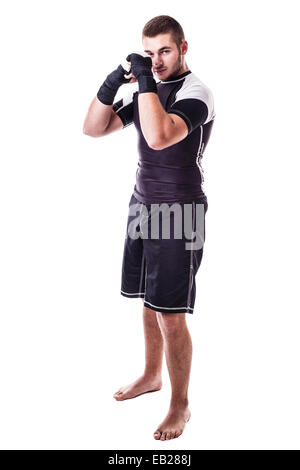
x=141 y=385
x=174 y=423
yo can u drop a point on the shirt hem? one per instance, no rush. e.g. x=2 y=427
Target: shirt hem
x=186 y=200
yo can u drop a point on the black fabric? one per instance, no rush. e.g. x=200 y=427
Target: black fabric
x=193 y=112
x=176 y=77
x=147 y=85
x=125 y=113
x=141 y=68
x=111 y=84
x=174 y=173
x=140 y=65
x=162 y=271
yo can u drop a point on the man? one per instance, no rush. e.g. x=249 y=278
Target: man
x=173 y=118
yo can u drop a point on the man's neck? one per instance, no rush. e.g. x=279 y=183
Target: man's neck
x=183 y=69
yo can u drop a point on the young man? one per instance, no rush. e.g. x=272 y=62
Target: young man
x=173 y=119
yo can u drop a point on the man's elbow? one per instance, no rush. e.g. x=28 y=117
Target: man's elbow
x=157 y=144
x=91 y=132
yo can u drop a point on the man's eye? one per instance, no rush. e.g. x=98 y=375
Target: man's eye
x=150 y=54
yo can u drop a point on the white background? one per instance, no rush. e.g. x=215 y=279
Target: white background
x=68 y=339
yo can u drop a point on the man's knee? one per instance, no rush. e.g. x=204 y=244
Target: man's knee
x=171 y=322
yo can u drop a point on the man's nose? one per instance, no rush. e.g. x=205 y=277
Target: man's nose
x=156 y=60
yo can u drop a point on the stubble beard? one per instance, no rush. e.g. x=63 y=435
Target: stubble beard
x=177 y=67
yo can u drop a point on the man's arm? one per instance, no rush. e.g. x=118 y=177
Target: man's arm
x=163 y=129
x=101 y=120
x=159 y=128
x=193 y=107
x=190 y=109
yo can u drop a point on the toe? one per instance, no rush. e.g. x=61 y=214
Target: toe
x=163 y=436
x=118 y=396
x=172 y=434
x=157 y=435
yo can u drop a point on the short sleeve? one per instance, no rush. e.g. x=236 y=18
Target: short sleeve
x=124 y=107
x=193 y=103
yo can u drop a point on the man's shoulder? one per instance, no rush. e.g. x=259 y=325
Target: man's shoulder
x=193 y=87
x=194 y=98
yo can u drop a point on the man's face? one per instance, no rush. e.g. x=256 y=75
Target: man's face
x=166 y=59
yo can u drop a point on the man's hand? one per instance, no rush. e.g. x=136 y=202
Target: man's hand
x=141 y=64
x=141 y=70
x=112 y=83
x=127 y=67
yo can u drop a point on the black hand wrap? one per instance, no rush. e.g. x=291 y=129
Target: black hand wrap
x=141 y=66
x=112 y=83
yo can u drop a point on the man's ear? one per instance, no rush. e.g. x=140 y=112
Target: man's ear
x=183 y=47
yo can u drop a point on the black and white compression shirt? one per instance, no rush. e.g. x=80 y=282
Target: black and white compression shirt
x=174 y=174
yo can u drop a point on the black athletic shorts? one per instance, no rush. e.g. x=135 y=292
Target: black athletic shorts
x=157 y=263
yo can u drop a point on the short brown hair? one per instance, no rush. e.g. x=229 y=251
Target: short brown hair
x=164 y=24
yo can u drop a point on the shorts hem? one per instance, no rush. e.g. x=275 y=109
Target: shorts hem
x=135 y=295
x=168 y=309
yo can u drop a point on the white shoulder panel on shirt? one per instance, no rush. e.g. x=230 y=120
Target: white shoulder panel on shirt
x=195 y=89
x=127 y=99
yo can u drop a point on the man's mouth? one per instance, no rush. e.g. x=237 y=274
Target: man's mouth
x=160 y=70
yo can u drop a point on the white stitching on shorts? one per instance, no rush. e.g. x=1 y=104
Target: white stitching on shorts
x=169 y=308
x=135 y=293
x=191 y=263
x=142 y=272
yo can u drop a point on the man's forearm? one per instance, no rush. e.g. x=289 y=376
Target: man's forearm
x=100 y=111
x=97 y=118
x=156 y=123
